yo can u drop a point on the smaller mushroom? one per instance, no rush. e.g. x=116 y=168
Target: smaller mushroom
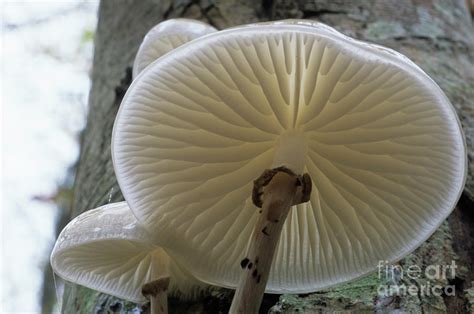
x=165 y=37
x=105 y=249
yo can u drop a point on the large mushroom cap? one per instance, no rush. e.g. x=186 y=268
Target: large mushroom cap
x=379 y=138
x=107 y=250
x=165 y=37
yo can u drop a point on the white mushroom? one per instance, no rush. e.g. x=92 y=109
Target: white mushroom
x=377 y=136
x=107 y=250
x=165 y=37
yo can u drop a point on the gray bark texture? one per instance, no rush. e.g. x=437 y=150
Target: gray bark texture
x=436 y=34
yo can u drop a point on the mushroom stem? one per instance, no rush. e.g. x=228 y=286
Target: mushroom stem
x=275 y=191
x=156 y=292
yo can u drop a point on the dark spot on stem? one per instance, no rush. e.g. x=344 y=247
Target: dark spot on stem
x=260 y=211
x=307 y=187
x=264 y=230
x=250 y=266
x=244 y=262
x=257 y=195
x=254 y=273
x=256 y=261
x=258 y=278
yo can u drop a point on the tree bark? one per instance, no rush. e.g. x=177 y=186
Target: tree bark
x=437 y=35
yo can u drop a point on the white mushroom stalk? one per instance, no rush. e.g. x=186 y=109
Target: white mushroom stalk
x=379 y=139
x=107 y=250
x=165 y=37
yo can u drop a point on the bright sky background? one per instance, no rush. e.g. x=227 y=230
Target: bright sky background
x=44 y=64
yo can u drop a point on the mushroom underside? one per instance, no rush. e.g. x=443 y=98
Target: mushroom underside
x=381 y=143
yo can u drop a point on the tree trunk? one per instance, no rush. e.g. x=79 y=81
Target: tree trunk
x=437 y=35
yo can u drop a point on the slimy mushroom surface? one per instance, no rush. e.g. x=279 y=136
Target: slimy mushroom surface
x=165 y=37
x=378 y=137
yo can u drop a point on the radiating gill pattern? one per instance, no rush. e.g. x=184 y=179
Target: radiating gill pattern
x=121 y=267
x=116 y=257
x=383 y=150
x=113 y=257
x=115 y=267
